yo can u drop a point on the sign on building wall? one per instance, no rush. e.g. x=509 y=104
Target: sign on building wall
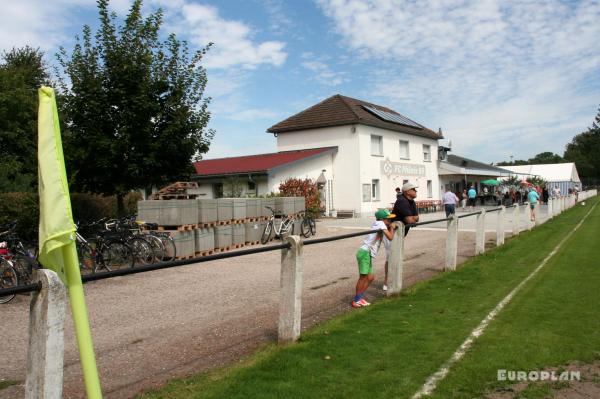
x=389 y=168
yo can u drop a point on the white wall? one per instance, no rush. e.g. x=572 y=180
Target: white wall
x=307 y=169
x=371 y=166
x=345 y=163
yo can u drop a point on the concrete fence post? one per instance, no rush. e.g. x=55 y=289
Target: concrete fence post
x=45 y=353
x=528 y=211
x=500 y=226
x=396 y=261
x=480 y=233
x=290 y=302
x=516 y=227
x=451 y=243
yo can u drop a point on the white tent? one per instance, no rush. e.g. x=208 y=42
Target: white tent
x=563 y=175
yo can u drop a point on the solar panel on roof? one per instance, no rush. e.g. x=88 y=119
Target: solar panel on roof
x=394 y=118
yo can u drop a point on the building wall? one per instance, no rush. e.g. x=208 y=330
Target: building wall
x=345 y=189
x=308 y=169
x=354 y=166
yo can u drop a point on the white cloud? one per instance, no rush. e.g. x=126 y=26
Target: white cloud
x=38 y=23
x=484 y=69
x=323 y=74
x=234 y=43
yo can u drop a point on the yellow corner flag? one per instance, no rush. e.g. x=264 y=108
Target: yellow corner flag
x=57 y=250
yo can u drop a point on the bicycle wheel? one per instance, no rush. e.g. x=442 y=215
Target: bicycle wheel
x=115 y=255
x=305 y=228
x=170 y=248
x=267 y=233
x=8 y=279
x=143 y=254
x=23 y=265
x=87 y=260
x=157 y=246
x=313 y=226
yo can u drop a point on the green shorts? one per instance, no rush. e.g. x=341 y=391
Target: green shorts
x=365 y=266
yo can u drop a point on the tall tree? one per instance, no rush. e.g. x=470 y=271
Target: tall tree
x=546 y=157
x=584 y=149
x=22 y=72
x=135 y=108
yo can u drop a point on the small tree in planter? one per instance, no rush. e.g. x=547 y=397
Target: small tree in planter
x=306 y=188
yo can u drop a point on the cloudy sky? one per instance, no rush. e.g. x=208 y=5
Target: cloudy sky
x=500 y=78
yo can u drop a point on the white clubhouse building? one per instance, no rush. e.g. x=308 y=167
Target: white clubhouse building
x=357 y=152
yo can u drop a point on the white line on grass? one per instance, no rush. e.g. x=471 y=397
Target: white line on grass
x=439 y=375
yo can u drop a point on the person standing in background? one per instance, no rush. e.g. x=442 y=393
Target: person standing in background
x=463 y=201
x=449 y=199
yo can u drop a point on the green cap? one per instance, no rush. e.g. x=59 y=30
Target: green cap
x=384 y=214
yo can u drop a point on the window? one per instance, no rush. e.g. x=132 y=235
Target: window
x=251 y=186
x=366 y=192
x=404 y=154
x=375 y=189
x=376 y=145
x=426 y=153
x=429 y=189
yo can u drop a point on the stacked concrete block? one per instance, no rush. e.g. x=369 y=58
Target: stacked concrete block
x=225 y=209
x=223 y=236
x=299 y=204
x=205 y=239
x=239 y=208
x=285 y=205
x=296 y=230
x=148 y=211
x=207 y=210
x=178 y=212
x=270 y=202
x=184 y=242
x=238 y=234
x=251 y=207
x=253 y=230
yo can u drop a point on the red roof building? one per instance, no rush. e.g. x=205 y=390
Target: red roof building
x=255 y=164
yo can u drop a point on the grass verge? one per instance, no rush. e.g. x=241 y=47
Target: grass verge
x=390 y=348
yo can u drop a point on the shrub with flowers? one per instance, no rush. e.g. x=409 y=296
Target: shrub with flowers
x=306 y=188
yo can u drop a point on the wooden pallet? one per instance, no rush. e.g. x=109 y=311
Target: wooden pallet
x=252 y=242
x=185 y=227
x=207 y=224
x=223 y=222
x=223 y=249
x=236 y=246
x=205 y=253
x=185 y=257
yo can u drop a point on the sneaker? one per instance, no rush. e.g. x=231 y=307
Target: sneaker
x=356 y=304
x=385 y=287
x=363 y=302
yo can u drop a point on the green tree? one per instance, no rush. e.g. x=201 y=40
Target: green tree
x=22 y=72
x=546 y=157
x=134 y=105
x=584 y=149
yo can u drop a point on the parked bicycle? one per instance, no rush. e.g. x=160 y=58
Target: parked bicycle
x=8 y=278
x=284 y=228
x=102 y=250
x=308 y=227
x=21 y=255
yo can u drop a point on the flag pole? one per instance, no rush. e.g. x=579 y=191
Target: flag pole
x=81 y=324
x=57 y=231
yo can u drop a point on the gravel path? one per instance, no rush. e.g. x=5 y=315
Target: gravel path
x=151 y=327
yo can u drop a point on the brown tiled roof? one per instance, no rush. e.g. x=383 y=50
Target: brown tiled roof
x=341 y=110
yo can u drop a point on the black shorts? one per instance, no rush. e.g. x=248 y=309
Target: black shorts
x=471 y=201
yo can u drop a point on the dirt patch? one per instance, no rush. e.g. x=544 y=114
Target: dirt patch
x=574 y=381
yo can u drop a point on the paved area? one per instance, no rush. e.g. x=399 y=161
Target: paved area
x=151 y=327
